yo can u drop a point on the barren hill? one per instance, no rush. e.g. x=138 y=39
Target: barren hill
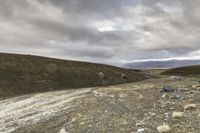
x=184 y=71
x=24 y=74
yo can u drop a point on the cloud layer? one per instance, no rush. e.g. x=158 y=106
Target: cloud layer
x=105 y=31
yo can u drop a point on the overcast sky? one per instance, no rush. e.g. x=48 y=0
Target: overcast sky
x=104 y=31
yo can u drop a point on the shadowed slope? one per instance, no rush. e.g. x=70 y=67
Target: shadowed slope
x=183 y=71
x=23 y=74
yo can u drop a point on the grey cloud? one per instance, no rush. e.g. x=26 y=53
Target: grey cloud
x=5 y=9
x=106 y=31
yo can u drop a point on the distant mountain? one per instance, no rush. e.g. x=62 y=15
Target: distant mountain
x=162 y=64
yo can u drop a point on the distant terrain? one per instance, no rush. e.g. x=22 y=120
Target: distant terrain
x=162 y=64
x=183 y=71
x=25 y=74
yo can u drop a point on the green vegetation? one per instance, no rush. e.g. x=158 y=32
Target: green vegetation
x=25 y=74
x=183 y=71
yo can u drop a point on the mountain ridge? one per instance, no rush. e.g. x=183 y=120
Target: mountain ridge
x=161 y=64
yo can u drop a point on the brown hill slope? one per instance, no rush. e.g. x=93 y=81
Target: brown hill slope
x=183 y=71
x=24 y=74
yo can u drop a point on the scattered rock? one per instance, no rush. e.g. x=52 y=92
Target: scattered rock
x=177 y=114
x=168 y=89
x=163 y=129
x=190 y=106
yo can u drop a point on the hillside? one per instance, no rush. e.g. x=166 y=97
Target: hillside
x=24 y=74
x=162 y=64
x=183 y=71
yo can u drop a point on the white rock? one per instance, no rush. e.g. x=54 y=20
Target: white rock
x=177 y=114
x=190 y=106
x=164 y=95
x=63 y=130
x=141 y=130
x=140 y=124
x=163 y=129
x=196 y=86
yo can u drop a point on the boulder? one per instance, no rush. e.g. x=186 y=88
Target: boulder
x=101 y=75
x=123 y=76
x=168 y=89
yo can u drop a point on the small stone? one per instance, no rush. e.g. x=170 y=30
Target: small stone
x=191 y=96
x=176 y=78
x=63 y=130
x=163 y=106
x=171 y=108
x=183 y=89
x=89 y=125
x=190 y=106
x=163 y=129
x=140 y=124
x=179 y=97
x=164 y=95
x=141 y=130
x=168 y=89
x=196 y=86
x=166 y=115
x=152 y=114
x=177 y=114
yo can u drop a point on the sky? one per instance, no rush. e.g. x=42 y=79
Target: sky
x=102 y=31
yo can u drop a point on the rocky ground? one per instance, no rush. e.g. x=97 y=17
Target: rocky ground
x=140 y=107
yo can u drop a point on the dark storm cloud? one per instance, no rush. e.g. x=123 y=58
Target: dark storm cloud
x=109 y=31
